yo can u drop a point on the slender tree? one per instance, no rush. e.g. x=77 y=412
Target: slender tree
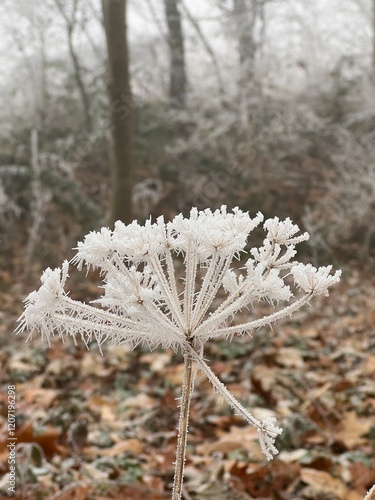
x=177 y=87
x=114 y=12
x=71 y=24
x=245 y=14
x=206 y=44
x=32 y=33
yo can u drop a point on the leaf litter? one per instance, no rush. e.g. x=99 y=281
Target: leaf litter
x=105 y=425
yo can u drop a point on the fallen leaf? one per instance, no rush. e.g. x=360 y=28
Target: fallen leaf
x=362 y=476
x=290 y=357
x=129 y=445
x=261 y=482
x=43 y=397
x=105 y=406
x=324 y=483
x=46 y=438
x=78 y=492
x=265 y=375
x=237 y=439
x=263 y=380
x=157 y=361
x=352 y=429
x=370 y=364
x=90 y=366
x=174 y=374
x=141 y=400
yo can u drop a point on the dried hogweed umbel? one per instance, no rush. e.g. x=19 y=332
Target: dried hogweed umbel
x=145 y=303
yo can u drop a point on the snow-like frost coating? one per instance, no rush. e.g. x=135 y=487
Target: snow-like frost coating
x=145 y=301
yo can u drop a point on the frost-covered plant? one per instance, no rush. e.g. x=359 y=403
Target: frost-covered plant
x=145 y=302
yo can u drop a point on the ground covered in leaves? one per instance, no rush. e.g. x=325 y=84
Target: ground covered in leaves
x=95 y=427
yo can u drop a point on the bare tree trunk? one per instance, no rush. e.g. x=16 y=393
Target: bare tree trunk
x=38 y=78
x=71 y=22
x=177 y=88
x=44 y=94
x=79 y=80
x=245 y=12
x=39 y=201
x=114 y=12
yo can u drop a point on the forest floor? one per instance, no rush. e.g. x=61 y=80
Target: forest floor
x=104 y=427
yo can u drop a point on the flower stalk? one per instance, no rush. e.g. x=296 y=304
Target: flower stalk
x=183 y=426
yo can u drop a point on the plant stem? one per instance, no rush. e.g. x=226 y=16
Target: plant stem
x=187 y=387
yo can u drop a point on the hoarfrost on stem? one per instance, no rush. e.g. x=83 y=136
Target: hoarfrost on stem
x=145 y=301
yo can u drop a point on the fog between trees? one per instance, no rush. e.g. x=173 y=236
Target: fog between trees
x=264 y=104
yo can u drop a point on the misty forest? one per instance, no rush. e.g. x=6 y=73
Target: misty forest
x=167 y=121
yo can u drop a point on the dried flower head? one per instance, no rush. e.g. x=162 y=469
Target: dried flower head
x=145 y=300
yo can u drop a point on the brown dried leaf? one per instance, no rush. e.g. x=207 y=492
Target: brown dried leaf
x=362 y=476
x=46 y=438
x=264 y=480
x=42 y=397
x=105 y=406
x=77 y=492
x=129 y=445
x=141 y=400
x=324 y=483
x=290 y=357
x=370 y=365
x=237 y=439
x=352 y=430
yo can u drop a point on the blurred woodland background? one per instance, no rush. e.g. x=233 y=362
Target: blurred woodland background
x=267 y=104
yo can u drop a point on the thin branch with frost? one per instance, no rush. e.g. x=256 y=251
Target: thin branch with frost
x=267 y=429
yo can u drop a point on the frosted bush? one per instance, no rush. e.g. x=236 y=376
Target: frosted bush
x=146 y=302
